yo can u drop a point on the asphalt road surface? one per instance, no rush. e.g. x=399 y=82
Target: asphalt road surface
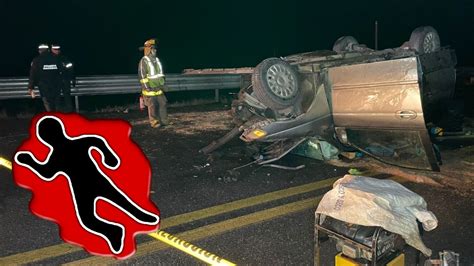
x=254 y=215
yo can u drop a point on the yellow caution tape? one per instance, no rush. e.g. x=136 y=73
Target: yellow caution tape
x=169 y=239
x=190 y=249
x=6 y=163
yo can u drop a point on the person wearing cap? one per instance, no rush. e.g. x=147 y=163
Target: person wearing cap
x=152 y=80
x=67 y=76
x=45 y=73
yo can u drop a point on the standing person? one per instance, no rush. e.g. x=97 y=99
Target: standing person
x=152 y=82
x=45 y=73
x=67 y=76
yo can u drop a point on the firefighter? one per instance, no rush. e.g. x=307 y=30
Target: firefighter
x=67 y=76
x=152 y=83
x=45 y=73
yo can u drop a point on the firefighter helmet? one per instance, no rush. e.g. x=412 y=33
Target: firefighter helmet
x=149 y=43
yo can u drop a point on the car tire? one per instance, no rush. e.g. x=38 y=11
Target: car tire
x=425 y=40
x=344 y=44
x=275 y=84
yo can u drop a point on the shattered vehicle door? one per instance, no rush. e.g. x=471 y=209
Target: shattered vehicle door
x=377 y=108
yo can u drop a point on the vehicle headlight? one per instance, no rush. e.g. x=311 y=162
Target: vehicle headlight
x=257 y=133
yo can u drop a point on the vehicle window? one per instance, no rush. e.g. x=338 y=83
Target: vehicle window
x=401 y=148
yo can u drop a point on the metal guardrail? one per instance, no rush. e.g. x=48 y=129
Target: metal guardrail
x=16 y=88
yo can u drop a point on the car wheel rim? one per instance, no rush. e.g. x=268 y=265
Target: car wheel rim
x=428 y=43
x=281 y=81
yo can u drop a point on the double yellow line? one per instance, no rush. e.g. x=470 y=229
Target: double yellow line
x=195 y=234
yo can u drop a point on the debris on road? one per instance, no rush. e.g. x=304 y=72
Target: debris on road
x=200 y=167
x=285 y=167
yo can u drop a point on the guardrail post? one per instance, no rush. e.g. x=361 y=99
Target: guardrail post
x=216 y=95
x=76 y=100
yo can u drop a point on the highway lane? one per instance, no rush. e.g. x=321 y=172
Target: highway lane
x=260 y=216
x=199 y=233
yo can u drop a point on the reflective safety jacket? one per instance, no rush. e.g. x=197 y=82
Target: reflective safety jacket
x=151 y=76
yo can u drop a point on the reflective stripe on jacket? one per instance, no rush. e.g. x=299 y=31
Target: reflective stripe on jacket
x=152 y=93
x=150 y=73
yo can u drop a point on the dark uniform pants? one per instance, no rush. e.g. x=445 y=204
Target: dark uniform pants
x=50 y=94
x=51 y=103
x=157 y=112
x=66 y=89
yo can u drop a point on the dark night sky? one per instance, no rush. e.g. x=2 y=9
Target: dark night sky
x=102 y=37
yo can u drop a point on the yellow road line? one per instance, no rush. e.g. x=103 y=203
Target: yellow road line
x=64 y=249
x=6 y=163
x=244 y=203
x=211 y=230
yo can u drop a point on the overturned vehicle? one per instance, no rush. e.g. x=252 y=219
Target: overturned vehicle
x=351 y=100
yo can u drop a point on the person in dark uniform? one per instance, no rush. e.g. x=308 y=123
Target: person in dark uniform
x=45 y=73
x=67 y=75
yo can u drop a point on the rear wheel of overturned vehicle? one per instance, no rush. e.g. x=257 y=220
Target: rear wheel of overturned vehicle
x=275 y=84
x=344 y=44
x=425 y=40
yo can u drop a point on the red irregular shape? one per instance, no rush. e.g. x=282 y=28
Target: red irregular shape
x=53 y=200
